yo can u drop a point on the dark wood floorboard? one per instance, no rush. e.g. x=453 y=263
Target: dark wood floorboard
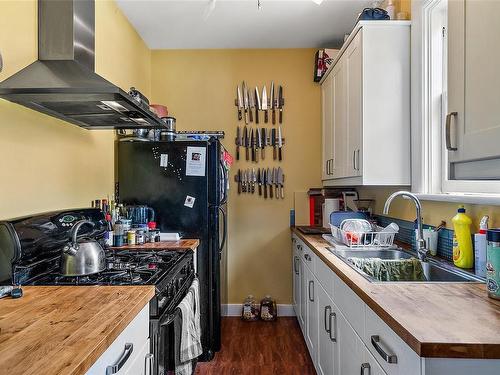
x=260 y=348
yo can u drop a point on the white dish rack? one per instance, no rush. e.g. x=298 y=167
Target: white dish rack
x=381 y=238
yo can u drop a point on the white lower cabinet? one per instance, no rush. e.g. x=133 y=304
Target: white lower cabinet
x=129 y=353
x=345 y=337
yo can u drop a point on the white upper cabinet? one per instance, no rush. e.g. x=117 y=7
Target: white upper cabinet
x=472 y=130
x=366 y=108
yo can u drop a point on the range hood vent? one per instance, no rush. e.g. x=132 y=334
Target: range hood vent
x=62 y=82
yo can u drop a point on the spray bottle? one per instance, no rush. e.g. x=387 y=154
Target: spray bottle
x=480 y=248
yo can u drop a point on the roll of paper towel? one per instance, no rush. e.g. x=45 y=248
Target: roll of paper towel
x=330 y=205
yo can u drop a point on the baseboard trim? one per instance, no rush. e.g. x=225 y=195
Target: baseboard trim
x=234 y=309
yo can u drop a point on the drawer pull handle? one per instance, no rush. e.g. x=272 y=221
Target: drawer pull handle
x=389 y=358
x=113 y=369
x=449 y=147
x=307 y=257
x=148 y=364
x=332 y=327
x=311 y=295
x=328 y=327
x=296 y=265
x=365 y=366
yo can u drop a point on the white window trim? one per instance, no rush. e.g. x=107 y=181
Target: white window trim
x=427 y=158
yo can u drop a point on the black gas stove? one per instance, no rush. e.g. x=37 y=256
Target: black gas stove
x=34 y=247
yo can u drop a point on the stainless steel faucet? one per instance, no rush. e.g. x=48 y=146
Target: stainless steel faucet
x=421 y=248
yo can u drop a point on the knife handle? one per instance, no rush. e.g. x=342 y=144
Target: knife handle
x=263 y=152
x=239 y=187
x=282 y=192
x=239 y=114
x=265 y=190
x=266 y=117
x=281 y=116
x=274 y=152
x=260 y=189
x=237 y=152
x=250 y=113
x=246 y=116
x=274 y=116
x=256 y=115
x=271 y=191
x=247 y=153
x=253 y=188
x=280 y=154
x=277 y=192
x=256 y=155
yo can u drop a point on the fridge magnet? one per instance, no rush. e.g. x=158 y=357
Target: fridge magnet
x=189 y=202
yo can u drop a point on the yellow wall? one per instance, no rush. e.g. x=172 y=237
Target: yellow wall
x=46 y=163
x=199 y=88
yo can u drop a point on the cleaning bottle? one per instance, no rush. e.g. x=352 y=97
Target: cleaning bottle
x=463 y=255
x=480 y=248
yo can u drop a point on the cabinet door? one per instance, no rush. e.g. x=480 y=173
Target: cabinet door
x=473 y=94
x=327 y=104
x=296 y=286
x=338 y=168
x=370 y=366
x=327 y=362
x=311 y=318
x=353 y=73
x=351 y=348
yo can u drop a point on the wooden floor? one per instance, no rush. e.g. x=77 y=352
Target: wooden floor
x=260 y=348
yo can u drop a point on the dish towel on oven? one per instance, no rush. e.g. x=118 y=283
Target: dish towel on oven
x=191 y=330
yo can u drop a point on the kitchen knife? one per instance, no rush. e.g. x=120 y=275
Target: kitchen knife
x=280 y=144
x=275 y=181
x=251 y=106
x=252 y=144
x=264 y=103
x=238 y=179
x=246 y=142
x=243 y=186
x=273 y=142
x=238 y=142
x=246 y=178
x=245 y=101
x=240 y=102
x=258 y=105
x=264 y=182
x=269 y=182
x=259 y=180
x=254 y=180
x=271 y=102
x=258 y=140
x=263 y=134
x=281 y=180
x=281 y=102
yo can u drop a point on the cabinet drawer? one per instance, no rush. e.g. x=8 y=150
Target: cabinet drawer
x=325 y=277
x=350 y=304
x=308 y=256
x=386 y=346
x=136 y=333
x=141 y=365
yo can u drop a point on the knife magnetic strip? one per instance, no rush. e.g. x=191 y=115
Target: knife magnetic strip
x=270 y=182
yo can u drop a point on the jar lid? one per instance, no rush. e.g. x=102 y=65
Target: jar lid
x=493 y=235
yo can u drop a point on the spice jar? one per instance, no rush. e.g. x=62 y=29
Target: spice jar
x=249 y=312
x=268 y=310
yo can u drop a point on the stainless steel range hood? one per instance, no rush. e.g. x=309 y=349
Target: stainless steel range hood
x=63 y=84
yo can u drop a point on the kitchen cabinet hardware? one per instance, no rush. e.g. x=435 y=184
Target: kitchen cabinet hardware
x=307 y=257
x=448 y=131
x=328 y=311
x=389 y=358
x=311 y=286
x=148 y=364
x=295 y=267
x=127 y=351
x=365 y=366
x=332 y=327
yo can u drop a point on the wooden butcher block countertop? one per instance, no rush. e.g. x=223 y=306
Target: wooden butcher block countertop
x=187 y=244
x=64 y=329
x=442 y=320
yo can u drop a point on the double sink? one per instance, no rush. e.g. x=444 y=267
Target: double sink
x=433 y=270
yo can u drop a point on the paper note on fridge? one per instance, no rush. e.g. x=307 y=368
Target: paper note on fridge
x=195 y=161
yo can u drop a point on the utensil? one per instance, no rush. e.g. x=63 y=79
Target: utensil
x=281 y=180
x=264 y=103
x=238 y=142
x=82 y=256
x=264 y=182
x=140 y=215
x=275 y=182
x=254 y=179
x=263 y=143
x=281 y=102
x=280 y=144
x=252 y=144
x=259 y=180
x=240 y=102
x=238 y=180
x=273 y=99
x=258 y=105
x=246 y=143
x=245 y=101
x=168 y=134
x=270 y=182
x=273 y=142
x=251 y=106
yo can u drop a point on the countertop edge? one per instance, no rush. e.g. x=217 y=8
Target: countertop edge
x=183 y=244
x=423 y=349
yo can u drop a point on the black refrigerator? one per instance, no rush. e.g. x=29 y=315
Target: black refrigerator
x=185 y=182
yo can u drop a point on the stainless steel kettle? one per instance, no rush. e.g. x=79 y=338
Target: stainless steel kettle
x=82 y=256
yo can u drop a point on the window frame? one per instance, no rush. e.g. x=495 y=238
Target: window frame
x=429 y=156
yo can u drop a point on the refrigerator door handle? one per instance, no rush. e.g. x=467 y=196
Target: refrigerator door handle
x=224 y=231
x=223 y=182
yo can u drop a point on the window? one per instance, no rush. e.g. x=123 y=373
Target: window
x=455 y=98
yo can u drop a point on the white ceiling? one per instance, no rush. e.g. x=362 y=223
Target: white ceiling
x=188 y=24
